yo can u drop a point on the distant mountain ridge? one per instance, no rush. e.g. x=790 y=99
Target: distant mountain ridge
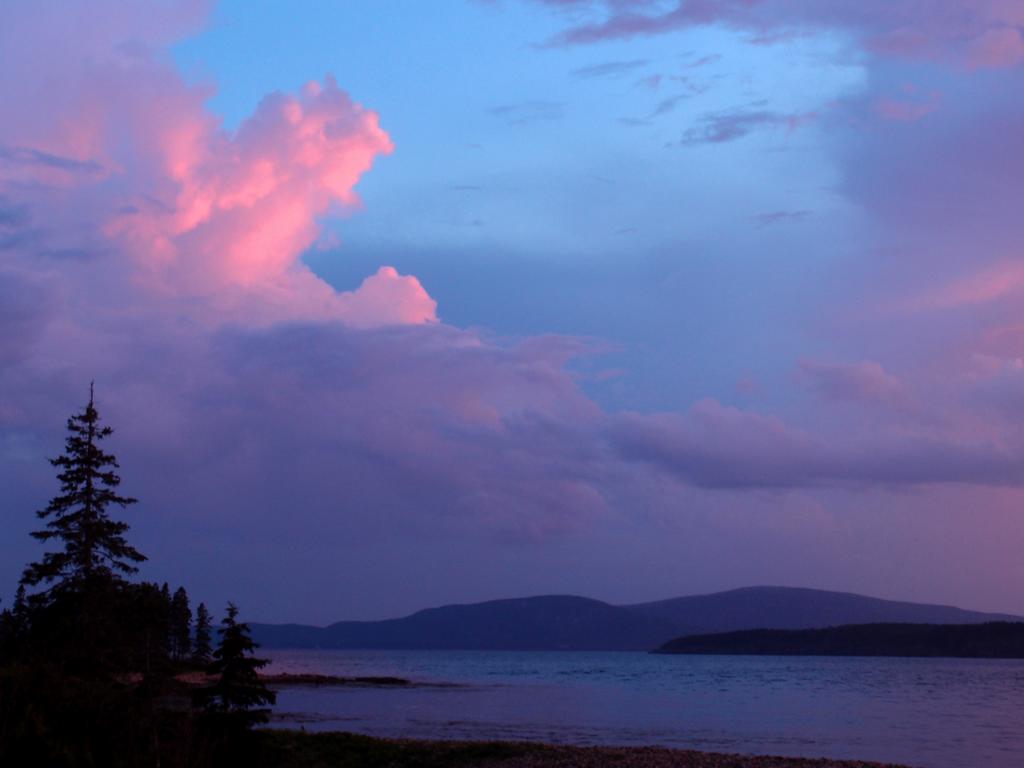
x=566 y=622
x=551 y=622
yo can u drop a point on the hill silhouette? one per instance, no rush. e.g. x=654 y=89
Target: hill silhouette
x=565 y=622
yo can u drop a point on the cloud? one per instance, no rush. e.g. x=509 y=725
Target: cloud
x=667 y=105
x=278 y=429
x=609 y=68
x=993 y=283
x=996 y=48
x=26 y=156
x=652 y=82
x=122 y=166
x=717 y=446
x=13 y=216
x=528 y=112
x=244 y=206
x=23 y=314
x=725 y=127
x=905 y=110
x=769 y=218
x=865 y=382
x=968 y=33
x=225 y=358
x=703 y=61
x=387 y=298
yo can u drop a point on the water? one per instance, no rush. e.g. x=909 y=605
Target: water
x=935 y=713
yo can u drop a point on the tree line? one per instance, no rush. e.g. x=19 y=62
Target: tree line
x=97 y=669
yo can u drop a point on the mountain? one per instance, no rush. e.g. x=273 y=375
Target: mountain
x=531 y=624
x=561 y=622
x=994 y=640
x=796 y=608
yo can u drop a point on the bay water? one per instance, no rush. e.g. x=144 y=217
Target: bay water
x=933 y=713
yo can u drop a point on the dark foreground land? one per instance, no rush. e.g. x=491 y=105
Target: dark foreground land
x=294 y=749
x=995 y=640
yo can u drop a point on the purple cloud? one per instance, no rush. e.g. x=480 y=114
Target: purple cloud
x=278 y=430
x=715 y=446
x=970 y=33
x=610 y=68
x=769 y=218
x=729 y=126
x=865 y=382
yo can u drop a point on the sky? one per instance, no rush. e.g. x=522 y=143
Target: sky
x=396 y=304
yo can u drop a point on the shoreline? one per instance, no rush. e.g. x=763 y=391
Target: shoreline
x=305 y=679
x=317 y=680
x=336 y=749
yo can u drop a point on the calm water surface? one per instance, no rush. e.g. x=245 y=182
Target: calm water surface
x=935 y=713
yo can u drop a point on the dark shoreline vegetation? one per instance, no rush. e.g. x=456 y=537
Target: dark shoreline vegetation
x=97 y=670
x=294 y=749
x=994 y=640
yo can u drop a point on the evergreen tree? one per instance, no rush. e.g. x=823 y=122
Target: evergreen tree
x=238 y=694
x=16 y=620
x=19 y=598
x=7 y=633
x=181 y=625
x=163 y=625
x=202 y=649
x=145 y=629
x=20 y=608
x=94 y=547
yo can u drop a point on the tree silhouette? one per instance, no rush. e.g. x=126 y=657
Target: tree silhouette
x=181 y=625
x=238 y=695
x=202 y=649
x=88 y=658
x=16 y=622
x=94 y=547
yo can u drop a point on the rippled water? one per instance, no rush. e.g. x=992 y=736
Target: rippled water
x=936 y=713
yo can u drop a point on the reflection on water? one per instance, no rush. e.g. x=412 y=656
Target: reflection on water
x=936 y=713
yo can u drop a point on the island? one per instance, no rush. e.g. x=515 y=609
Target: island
x=992 y=640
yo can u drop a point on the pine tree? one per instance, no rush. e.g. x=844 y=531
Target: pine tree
x=20 y=608
x=162 y=623
x=238 y=693
x=94 y=547
x=181 y=625
x=7 y=633
x=202 y=650
x=13 y=624
x=19 y=613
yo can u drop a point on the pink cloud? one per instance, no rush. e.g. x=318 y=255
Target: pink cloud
x=114 y=152
x=387 y=298
x=996 y=48
x=992 y=283
x=905 y=109
x=240 y=210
